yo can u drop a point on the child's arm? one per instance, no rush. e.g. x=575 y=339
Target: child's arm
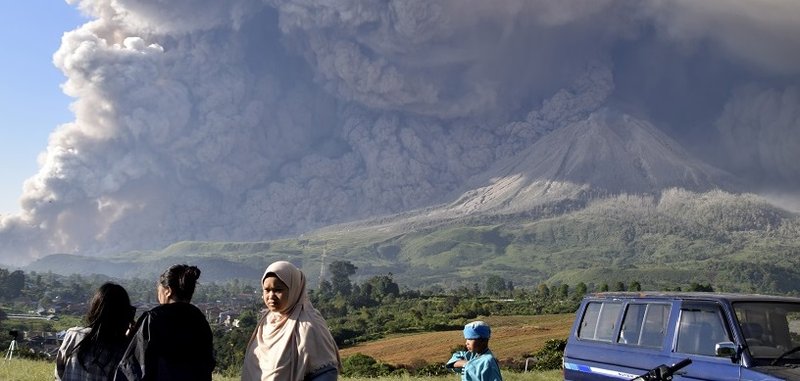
x=457 y=361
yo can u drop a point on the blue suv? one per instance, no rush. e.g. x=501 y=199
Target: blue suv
x=621 y=335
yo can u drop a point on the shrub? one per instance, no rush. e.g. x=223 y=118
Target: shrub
x=432 y=370
x=421 y=368
x=361 y=365
x=550 y=356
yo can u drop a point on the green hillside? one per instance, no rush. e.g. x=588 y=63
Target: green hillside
x=733 y=242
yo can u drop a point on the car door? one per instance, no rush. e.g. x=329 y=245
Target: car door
x=700 y=326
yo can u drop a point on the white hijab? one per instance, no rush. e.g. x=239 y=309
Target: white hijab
x=289 y=344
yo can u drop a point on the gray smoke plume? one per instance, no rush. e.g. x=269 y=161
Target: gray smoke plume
x=248 y=119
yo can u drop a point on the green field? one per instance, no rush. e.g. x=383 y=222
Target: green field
x=737 y=243
x=30 y=370
x=513 y=338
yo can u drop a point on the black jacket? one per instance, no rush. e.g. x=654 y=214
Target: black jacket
x=171 y=342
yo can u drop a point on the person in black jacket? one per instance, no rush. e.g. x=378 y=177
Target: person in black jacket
x=172 y=341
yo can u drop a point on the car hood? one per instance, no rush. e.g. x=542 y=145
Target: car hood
x=788 y=372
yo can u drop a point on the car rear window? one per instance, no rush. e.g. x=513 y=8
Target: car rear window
x=599 y=320
x=644 y=324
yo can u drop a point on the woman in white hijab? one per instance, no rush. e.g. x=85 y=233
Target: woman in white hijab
x=292 y=341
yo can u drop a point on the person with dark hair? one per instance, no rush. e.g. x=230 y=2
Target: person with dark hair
x=292 y=341
x=92 y=352
x=477 y=363
x=172 y=341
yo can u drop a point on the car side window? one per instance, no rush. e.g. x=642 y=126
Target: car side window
x=700 y=329
x=644 y=324
x=599 y=321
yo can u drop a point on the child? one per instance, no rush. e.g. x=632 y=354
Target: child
x=477 y=363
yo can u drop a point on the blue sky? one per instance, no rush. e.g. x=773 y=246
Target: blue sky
x=31 y=101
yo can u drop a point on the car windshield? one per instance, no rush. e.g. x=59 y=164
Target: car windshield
x=771 y=330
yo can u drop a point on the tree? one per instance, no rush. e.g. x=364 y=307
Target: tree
x=248 y=319
x=563 y=291
x=604 y=287
x=580 y=290
x=635 y=286
x=619 y=286
x=696 y=287
x=340 y=277
x=325 y=289
x=495 y=285
x=3 y=283
x=15 y=283
x=543 y=291
x=381 y=286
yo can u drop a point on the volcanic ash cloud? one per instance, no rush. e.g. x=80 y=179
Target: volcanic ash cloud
x=248 y=120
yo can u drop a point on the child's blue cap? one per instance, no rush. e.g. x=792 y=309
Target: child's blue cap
x=477 y=330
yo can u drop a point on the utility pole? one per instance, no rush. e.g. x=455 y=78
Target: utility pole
x=322 y=265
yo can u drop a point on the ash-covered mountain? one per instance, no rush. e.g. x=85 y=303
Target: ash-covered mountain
x=613 y=152
x=606 y=154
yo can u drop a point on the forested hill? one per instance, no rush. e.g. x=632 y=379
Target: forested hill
x=733 y=242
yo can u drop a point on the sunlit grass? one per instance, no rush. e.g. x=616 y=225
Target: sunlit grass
x=32 y=370
x=17 y=369
x=26 y=370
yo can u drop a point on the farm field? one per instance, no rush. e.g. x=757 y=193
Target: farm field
x=512 y=337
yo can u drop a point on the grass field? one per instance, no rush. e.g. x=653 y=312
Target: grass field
x=512 y=337
x=30 y=370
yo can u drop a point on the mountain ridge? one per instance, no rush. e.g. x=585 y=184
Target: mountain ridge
x=607 y=152
x=567 y=167
x=608 y=190
x=734 y=242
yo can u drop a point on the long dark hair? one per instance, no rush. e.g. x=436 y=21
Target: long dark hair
x=181 y=279
x=109 y=317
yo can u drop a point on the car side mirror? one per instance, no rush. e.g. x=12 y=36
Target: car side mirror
x=727 y=349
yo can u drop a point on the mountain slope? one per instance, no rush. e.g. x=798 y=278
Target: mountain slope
x=607 y=153
x=605 y=199
x=734 y=242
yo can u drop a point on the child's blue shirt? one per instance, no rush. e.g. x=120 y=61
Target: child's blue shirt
x=480 y=366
